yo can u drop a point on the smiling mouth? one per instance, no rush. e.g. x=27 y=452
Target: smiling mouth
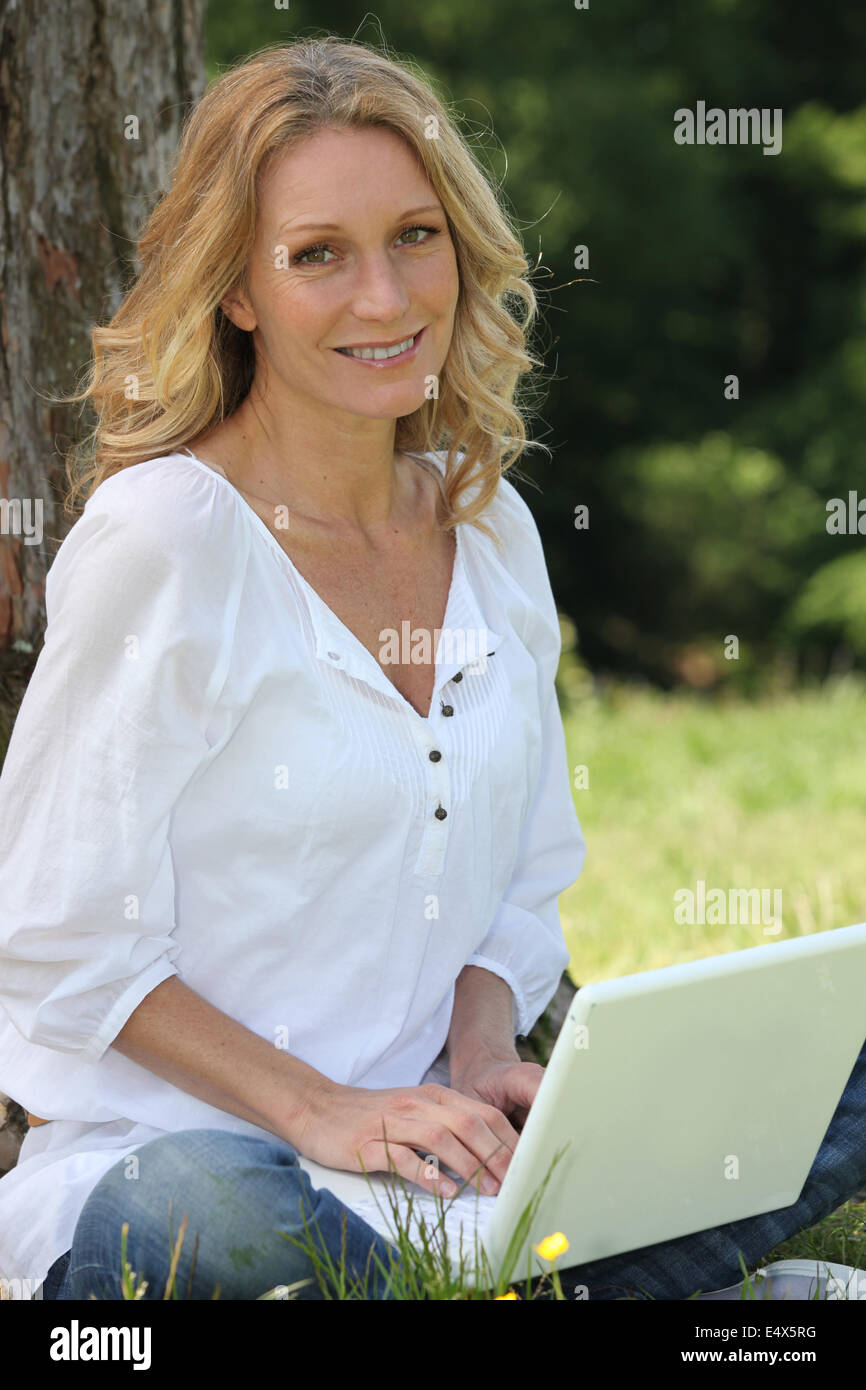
x=382 y=354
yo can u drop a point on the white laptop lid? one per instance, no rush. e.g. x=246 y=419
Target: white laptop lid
x=679 y=1099
x=692 y=1096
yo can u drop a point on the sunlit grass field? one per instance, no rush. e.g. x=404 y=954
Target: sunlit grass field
x=761 y=794
x=745 y=795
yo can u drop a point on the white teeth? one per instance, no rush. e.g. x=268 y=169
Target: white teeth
x=378 y=353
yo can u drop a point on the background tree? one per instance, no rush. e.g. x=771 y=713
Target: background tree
x=92 y=96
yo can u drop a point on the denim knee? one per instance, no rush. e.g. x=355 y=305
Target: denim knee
x=237 y=1193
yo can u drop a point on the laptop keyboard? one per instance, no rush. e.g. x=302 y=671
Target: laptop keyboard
x=464 y=1217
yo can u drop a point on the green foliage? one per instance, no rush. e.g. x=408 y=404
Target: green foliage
x=833 y=601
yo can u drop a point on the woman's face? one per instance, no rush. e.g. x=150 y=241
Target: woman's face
x=334 y=265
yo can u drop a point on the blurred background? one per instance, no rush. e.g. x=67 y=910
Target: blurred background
x=705 y=370
x=707 y=515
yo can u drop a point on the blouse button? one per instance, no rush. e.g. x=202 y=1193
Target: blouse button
x=434 y=755
x=335 y=656
x=440 y=813
x=447 y=710
x=458 y=677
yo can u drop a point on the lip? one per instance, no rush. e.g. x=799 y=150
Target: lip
x=385 y=362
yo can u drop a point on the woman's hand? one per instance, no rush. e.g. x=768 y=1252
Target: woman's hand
x=464 y=1132
x=484 y=1062
x=508 y=1084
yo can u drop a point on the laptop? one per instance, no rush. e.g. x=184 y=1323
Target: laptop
x=674 y=1100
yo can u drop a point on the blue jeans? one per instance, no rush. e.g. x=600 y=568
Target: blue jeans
x=240 y=1192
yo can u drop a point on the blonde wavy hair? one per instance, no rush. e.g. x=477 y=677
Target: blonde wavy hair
x=192 y=366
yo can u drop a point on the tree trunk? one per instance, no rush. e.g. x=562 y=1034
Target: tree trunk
x=76 y=186
x=77 y=87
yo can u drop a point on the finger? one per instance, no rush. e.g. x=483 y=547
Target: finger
x=469 y=1136
x=491 y=1114
x=487 y=1133
x=409 y=1166
x=498 y=1123
x=521 y=1084
x=464 y=1140
x=433 y=1134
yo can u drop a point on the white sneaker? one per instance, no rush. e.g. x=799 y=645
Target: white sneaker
x=797 y=1279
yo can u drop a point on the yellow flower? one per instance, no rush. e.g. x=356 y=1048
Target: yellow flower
x=552 y=1246
x=501 y=1296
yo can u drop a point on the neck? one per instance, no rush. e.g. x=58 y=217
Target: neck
x=342 y=471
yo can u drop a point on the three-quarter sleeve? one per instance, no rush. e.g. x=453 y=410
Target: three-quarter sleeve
x=141 y=601
x=525 y=944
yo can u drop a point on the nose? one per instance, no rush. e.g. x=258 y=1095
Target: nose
x=380 y=295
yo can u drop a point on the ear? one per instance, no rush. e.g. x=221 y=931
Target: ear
x=237 y=307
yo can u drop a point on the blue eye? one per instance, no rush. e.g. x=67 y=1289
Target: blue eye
x=299 y=259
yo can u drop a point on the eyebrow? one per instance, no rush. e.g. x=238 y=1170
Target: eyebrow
x=335 y=226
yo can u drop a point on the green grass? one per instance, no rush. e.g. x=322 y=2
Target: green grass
x=767 y=793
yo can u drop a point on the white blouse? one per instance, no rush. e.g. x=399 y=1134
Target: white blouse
x=211 y=776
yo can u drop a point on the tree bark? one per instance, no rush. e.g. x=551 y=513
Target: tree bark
x=76 y=185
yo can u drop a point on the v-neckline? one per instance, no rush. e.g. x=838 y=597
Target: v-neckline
x=456 y=575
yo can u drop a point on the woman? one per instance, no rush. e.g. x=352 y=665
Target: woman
x=280 y=862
